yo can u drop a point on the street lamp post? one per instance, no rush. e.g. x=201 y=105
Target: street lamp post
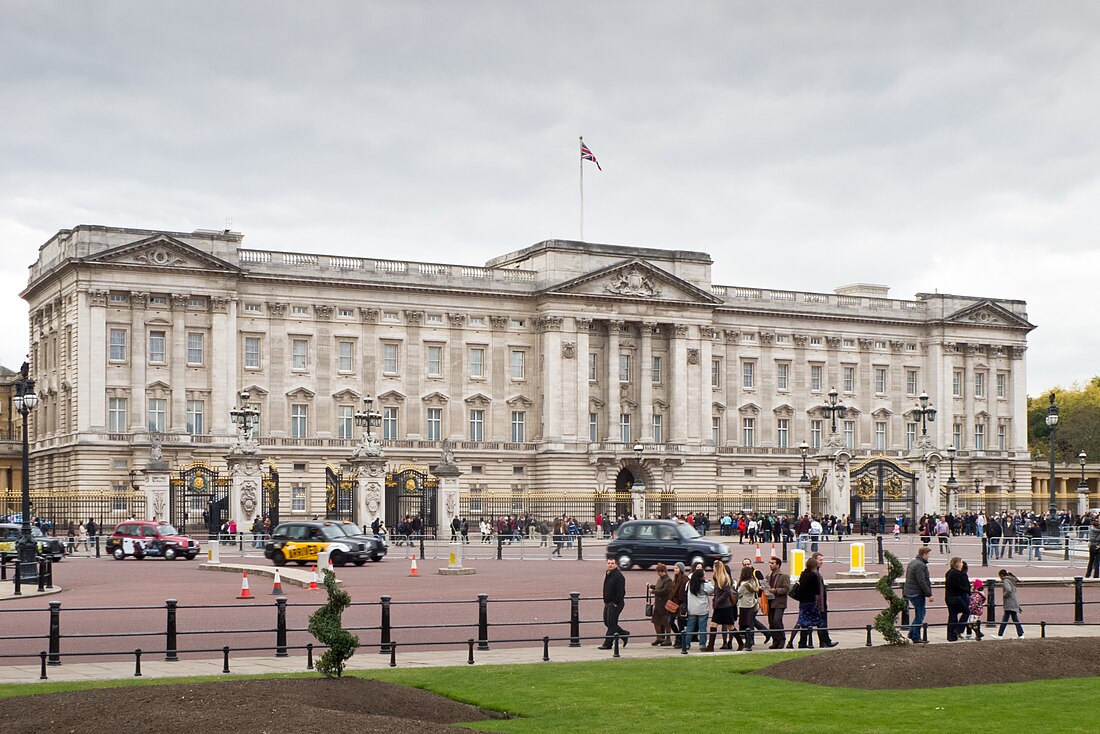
x=367 y=417
x=26 y=547
x=927 y=414
x=1052 y=423
x=952 y=483
x=833 y=408
x=1082 y=486
x=245 y=416
x=977 y=493
x=804 y=450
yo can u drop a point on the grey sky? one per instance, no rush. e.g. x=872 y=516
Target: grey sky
x=805 y=145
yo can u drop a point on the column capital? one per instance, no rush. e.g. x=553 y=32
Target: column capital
x=616 y=326
x=679 y=331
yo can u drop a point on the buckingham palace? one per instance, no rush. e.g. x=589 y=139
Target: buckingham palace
x=562 y=377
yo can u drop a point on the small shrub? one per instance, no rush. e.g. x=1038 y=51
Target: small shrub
x=895 y=605
x=325 y=625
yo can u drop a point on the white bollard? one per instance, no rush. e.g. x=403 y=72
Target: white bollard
x=213 y=552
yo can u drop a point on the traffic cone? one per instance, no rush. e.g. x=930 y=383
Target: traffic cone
x=245 y=593
x=331 y=569
x=773 y=551
x=413 y=571
x=277 y=589
x=313 y=580
x=759 y=558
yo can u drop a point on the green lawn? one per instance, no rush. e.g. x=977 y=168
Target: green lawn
x=663 y=695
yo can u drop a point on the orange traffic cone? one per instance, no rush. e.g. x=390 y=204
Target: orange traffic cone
x=413 y=571
x=759 y=558
x=245 y=593
x=330 y=566
x=313 y=580
x=773 y=551
x=278 y=587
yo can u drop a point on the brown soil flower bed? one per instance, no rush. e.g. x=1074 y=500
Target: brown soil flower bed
x=944 y=665
x=339 y=706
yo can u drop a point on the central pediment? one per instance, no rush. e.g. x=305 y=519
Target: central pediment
x=633 y=279
x=162 y=251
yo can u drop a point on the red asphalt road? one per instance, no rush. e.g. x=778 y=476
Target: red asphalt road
x=445 y=607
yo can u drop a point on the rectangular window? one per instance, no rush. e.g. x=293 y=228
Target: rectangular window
x=592 y=366
x=658 y=426
x=195 y=423
x=118 y=345
x=624 y=368
x=1002 y=437
x=979 y=384
x=345 y=417
x=957 y=383
x=158 y=415
x=910 y=435
x=116 y=415
x=252 y=308
x=252 y=352
x=656 y=370
x=435 y=424
x=519 y=360
x=519 y=427
x=593 y=427
x=345 y=356
x=880 y=380
x=783 y=376
x=1001 y=384
x=297 y=498
x=435 y=361
x=816 y=341
x=815 y=434
x=477 y=362
x=748 y=431
x=345 y=313
x=849 y=379
x=477 y=321
x=434 y=318
x=815 y=377
x=194 y=348
x=782 y=433
x=156 y=347
x=299 y=358
x=299 y=424
x=624 y=427
x=880 y=435
x=957 y=435
x=389 y=424
x=300 y=310
x=748 y=374
x=716 y=373
x=716 y=429
x=910 y=382
x=979 y=436
x=389 y=359
x=850 y=434
x=477 y=425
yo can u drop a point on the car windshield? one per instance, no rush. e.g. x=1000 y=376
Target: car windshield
x=166 y=529
x=347 y=528
x=687 y=532
x=37 y=532
x=332 y=532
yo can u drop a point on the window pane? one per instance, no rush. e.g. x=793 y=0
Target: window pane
x=156 y=346
x=656 y=369
x=116 y=415
x=389 y=358
x=518 y=364
x=477 y=425
x=118 y=345
x=195 y=410
x=435 y=423
x=477 y=362
x=346 y=356
x=435 y=360
x=624 y=428
x=300 y=349
x=518 y=426
x=389 y=424
x=252 y=352
x=345 y=421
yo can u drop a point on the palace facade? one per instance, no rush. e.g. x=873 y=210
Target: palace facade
x=545 y=368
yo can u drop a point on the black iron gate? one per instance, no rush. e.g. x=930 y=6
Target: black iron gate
x=269 y=495
x=411 y=493
x=339 y=495
x=883 y=488
x=199 y=499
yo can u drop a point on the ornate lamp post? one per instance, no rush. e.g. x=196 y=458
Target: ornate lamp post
x=833 y=408
x=246 y=417
x=1052 y=423
x=952 y=483
x=1082 y=486
x=804 y=450
x=26 y=548
x=367 y=417
x=927 y=414
x=978 y=493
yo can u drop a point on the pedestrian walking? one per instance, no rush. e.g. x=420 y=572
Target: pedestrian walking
x=614 y=598
x=977 y=606
x=956 y=591
x=698 y=609
x=917 y=590
x=1010 y=605
x=776 y=588
x=1093 y=569
x=662 y=592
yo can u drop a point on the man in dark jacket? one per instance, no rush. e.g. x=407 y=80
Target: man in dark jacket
x=778 y=584
x=917 y=590
x=614 y=597
x=823 y=639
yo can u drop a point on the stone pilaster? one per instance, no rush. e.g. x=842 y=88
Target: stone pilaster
x=678 y=383
x=583 y=329
x=645 y=387
x=614 y=406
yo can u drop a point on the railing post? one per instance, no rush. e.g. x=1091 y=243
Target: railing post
x=881 y=558
x=1042 y=630
x=170 y=655
x=42 y=657
x=225 y=659
x=393 y=655
x=545 y=649
x=482 y=621
x=574 y=619
x=924 y=632
x=615 y=653
x=49 y=574
x=470 y=643
x=1065 y=547
x=41 y=575
x=985 y=551
x=784 y=548
x=309 y=656
x=500 y=547
x=17 y=581
x=280 y=627
x=905 y=615
x=580 y=553
x=1078 y=600
x=422 y=546
x=97 y=546
x=137 y=663
x=869 y=628
x=3 y=569
x=991 y=601
x=55 y=632
x=385 y=646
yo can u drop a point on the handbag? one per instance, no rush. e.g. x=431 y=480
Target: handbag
x=795 y=592
x=763 y=603
x=672 y=607
x=648 y=602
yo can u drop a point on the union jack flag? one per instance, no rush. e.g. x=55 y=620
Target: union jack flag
x=586 y=155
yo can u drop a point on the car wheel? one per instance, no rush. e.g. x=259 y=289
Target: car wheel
x=376 y=559
x=338 y=559
x=300 y=563
x=624 y=561
x=119 y=554
x=360 y=562
x=191 y=556
x=169 y=554
x=278 y=558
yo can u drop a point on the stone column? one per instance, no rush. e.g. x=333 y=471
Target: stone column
x=645 y=387
x=177 y=354
x=582 y=326
x=614 y=406
x=553 y=403
x=706 y=388
x=91 y=342
x=138 y=340
x=224 y=347
x=678 y=383
x=1017 y=438
x=927 y=466
x=447 y=499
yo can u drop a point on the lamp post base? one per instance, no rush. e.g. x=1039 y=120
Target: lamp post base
x=26 y=549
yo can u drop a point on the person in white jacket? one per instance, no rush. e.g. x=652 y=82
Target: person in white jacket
x=699 y=591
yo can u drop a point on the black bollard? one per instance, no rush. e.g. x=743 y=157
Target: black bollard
x=385 y=646
x=985 y=551
x=991 y=601
x=905 y=615
x=869 y=628
x=574 y=619
x=470 y=659
x=393 y=655
x=49 y=574
x=1078 y=600
x=170 y=655
x=280 y=627
x=482 y=621
x=881 y=558
x=97 y=546
x=545 y=649
x=42 y=656
x=225 y=659
x=309 y=656
x=784 y=549
x=137 y=663
x=615 y=652
x=422 y=546
x=1042 y=630
x=18 y=582
x=55 y=632
x=41 y=575
x=580 y=553
x=924 y=632
x=500 y=547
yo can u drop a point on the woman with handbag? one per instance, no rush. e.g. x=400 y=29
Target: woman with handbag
x=808 y=590
x=676 y=606
x=724 y=610
x=658 y=614
x=748 y=602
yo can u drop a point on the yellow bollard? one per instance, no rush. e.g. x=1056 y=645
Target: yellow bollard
x=858 y=558
x=798 y=562
x=452 y=559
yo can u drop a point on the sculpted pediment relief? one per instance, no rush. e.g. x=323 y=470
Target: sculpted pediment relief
x=162 y=251
x=634 y=278
x=988 y=313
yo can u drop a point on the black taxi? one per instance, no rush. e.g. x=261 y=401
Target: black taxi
x=302 y=540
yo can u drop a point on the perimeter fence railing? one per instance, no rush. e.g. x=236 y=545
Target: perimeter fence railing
x=172 y=631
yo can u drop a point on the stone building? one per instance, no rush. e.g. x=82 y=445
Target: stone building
x=544 y=368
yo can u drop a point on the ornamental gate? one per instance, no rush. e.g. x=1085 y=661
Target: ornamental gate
x=339 y=495
x=881 y=486
x=199 y=499
x=269 y=495
x=411 y=492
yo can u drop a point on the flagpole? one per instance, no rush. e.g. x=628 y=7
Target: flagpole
x=580 y=160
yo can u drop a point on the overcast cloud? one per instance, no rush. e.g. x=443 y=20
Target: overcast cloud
x=805 y=145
